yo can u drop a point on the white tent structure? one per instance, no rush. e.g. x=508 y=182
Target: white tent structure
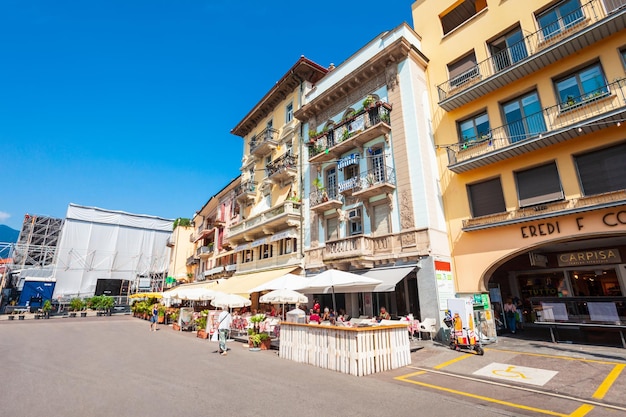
x=102 y=250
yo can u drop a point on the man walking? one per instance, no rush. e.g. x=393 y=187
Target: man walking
x=225 y=320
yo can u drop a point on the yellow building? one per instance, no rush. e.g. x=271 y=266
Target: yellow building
x=181 y=244
x=267 y=236
x=528 y=103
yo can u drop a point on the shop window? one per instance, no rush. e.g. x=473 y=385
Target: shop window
x=462 y=12
x=524 y=117
x=538 y=185
x=600 y=282
x=475 y=128
x=463 y=70
x=559 y=18
x=582 y=86
x=603 y=170
x=486 y=197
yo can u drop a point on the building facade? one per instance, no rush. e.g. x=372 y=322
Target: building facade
x=212 y=257
x=267 y=236
x=372 y=203
x=528 y=107
x=181 y=248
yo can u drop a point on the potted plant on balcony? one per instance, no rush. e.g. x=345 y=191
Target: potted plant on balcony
x=369 y=102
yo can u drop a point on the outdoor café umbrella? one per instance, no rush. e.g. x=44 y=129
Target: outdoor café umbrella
x=224 y=300
x=196 y=294
x=284 y=296
x=286 y=282
x=332 y=279
x=146 y=295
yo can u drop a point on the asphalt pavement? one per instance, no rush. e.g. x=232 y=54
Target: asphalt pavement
x=115 y=366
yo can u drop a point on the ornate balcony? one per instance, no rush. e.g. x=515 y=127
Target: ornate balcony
x=546 y=210
x=374 y=182
x=282 y=170
x=279 y=217
x=325 y=199
x=246 y=192
x=555 y=124
x=264 y=143
x=192 y=260
x=579 y=29
x=354 y=132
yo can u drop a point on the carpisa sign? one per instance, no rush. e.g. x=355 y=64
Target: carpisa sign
x=590 y=257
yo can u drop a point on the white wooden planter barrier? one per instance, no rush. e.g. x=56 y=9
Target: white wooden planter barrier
x=355 y=351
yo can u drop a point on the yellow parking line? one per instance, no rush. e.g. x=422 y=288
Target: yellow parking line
x=608 y=382
x=450 y=362
x=481 y=397
x=582 y=410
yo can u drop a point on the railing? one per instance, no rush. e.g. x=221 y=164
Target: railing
x=588 y=13
x=203 y=250
x=376 y=176
x=192 y=260
x=245 y=188
x=572 y=113
x=359 y=121
x=323 y=195
x=268 y=135
x=286 y=161
x=523 y=214
x=288 y=207
x=355 y=351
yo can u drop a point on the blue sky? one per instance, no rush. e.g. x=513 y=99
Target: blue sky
x=128 y=104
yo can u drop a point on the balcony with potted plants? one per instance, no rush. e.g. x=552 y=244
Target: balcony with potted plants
x=204 y=252
x=323 y=198
x=376 y=181
x=357 y=128
x=264 y=143
x=555 y=40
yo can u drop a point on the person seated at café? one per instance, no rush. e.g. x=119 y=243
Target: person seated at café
x=326 y=315
x=314 y=317
x=384 y=315
x=273 y=311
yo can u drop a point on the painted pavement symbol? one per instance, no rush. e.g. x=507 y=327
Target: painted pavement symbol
x=512 y=373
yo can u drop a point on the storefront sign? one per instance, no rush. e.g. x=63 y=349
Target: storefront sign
x=603 y=220
x=589 y=257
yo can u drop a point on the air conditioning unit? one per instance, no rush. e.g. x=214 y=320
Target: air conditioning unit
x=354 y=214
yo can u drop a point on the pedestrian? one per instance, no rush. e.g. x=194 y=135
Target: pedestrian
x=155 y=317
x=224 y=321
x=509 y=314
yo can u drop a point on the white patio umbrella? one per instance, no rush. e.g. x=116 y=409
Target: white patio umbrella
x=224 y=300
x=284 y=282
x=332 y=279
x=196 y=294
x=284 y=296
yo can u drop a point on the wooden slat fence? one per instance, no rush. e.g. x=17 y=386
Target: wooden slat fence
x=355 y=351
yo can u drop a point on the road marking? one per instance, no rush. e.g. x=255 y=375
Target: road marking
x=608 y=382
x=543 y=355
x=523 y=374
x=587 y=405
x=450 y=362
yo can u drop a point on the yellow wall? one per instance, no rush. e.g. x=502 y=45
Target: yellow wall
x=476 y=252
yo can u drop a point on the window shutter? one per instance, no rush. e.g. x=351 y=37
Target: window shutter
x=486 y=198
x=602 y=171
x=381 y=220
x=539 y=185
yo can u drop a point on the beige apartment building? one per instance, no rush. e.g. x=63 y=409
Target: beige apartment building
x=267 y=236
x=181 y=244
x=528 y=113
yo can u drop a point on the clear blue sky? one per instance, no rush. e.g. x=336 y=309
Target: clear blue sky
x=128 y=104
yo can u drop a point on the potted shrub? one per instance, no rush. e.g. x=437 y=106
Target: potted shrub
x=12 y=315
x=106 y=304
x=46 y=308
x=174 y=319
x=200 y=323
x=76 y=304
x=161 y=314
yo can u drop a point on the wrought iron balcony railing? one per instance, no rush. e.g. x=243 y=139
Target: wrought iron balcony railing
x=325 y=195
x=590 y=110
x=549 y=34
x=285 y=162
x=350 y=132
x=266 y=140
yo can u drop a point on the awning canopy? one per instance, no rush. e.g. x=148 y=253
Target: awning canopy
x=389 y=277
x=172 y=292
x=244 y=284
